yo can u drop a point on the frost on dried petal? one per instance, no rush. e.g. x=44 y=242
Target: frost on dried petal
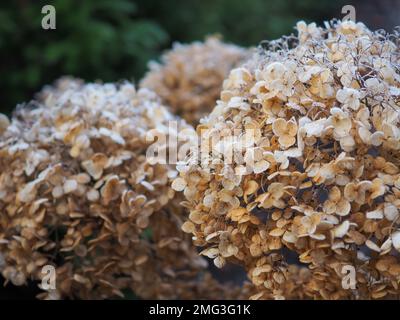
x=70 y=186
x=349 y=97
x=261 y=166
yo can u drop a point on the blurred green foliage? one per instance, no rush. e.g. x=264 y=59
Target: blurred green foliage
x=244 y=22
x=114 y=39
x=94 y=39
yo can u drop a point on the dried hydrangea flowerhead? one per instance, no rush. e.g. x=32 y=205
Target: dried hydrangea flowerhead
x=318 y=179
x=189 y=77
x=77 y=192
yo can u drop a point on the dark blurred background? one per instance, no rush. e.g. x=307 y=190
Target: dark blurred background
x=114 y=39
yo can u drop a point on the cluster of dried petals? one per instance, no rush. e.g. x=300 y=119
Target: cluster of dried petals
x=77 y=193
x=189 y=77
x=58 y=87
x=324 y=109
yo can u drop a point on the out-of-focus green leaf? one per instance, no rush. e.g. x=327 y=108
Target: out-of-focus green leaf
x=115 y=39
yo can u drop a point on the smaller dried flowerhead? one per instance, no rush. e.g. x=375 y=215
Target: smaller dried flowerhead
x=189 y=78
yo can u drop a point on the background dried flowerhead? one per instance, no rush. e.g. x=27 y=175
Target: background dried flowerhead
x=189 y=77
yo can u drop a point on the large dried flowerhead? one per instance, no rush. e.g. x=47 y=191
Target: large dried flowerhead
x=189 y=77
x=299 y=160
x=77 y=192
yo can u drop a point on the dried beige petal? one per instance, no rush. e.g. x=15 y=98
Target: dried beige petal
x=261 y=166
x=219 y=262
x=210 y=253
x=277 y=232
x=391 y=212
x=179 y=184
x=70 y=186
x=188 y=227
x=372 y=246
x=396 y=240
x=376 y=214
x=341 y=230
